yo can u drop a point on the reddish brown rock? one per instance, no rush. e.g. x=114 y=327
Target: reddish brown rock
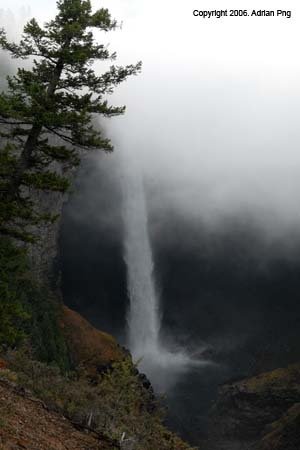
x=88 y=346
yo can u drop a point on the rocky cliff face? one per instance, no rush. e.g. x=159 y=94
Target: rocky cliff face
x=259 y=413
x=43 y=254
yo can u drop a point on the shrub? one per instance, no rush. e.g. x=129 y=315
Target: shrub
x=116 y=404
x=12 y=313
x=27 y=310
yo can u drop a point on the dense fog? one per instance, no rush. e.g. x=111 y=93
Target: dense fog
x=212 y=124
x=214 y=115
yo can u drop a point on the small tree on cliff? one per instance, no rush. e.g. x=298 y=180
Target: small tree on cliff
x=59 y=96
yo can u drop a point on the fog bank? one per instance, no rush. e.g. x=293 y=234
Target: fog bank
x=214 y=115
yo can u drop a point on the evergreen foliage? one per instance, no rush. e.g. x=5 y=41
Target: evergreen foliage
x=28 y=313
x=12 y=312
x=58 y=97
x=46 y=339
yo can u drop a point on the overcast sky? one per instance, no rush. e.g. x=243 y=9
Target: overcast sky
x=215 y=113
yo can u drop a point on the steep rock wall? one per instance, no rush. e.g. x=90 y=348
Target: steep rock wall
x=258 y=413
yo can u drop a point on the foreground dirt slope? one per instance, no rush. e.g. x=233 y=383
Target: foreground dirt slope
x=26 y=424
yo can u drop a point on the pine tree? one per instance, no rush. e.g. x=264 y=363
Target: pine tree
x=59 y=96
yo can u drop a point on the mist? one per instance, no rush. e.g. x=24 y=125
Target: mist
x=213 y=122
x=213 y=117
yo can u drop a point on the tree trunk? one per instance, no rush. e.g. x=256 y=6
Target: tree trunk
x=25 y=161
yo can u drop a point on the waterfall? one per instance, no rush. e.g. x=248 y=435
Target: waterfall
x=161 y=364
x=143 y=315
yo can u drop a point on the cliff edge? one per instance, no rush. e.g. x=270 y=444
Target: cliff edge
x=258 y=413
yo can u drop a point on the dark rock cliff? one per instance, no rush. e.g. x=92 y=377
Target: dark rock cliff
x=44 y=252
x=259 y=413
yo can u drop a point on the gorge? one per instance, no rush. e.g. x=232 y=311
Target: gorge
x=228 y=285
x=168 y=275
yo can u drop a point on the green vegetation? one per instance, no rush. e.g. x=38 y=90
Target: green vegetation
x=59 y=97
x=275 y=380
x=28 y=312
x=2 y=420
x=283 y=434
x=12 y=312
x=46 y=120
x=46 y=117
x=114 y=404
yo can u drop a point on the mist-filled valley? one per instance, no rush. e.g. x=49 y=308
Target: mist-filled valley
x=228 y=293
x=179 y=251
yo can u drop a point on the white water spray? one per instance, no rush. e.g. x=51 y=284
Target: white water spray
x=143 y=316
x=144 y=319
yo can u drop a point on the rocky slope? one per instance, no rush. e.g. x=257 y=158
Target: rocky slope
x=88 y=346
x=26 y=423
x=259 y=413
